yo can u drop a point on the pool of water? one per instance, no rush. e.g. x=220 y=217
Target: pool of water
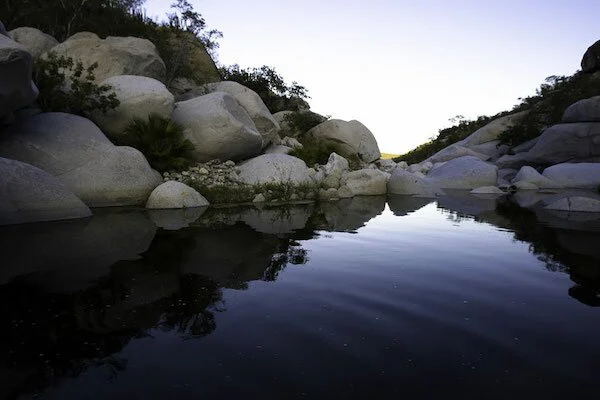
x=463 y=297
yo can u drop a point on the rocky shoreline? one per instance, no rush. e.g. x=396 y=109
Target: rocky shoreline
x=57 y=166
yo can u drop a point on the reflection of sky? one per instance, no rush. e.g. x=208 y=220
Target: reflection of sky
x=403 y=68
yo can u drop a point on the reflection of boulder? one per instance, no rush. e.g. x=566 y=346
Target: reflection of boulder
x=464 y=202
x=351 y=214
x=404 y=205
x=277 y=220
x=68 y=255
x=175 y=219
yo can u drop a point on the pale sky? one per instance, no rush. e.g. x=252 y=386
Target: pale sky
x=404 y=67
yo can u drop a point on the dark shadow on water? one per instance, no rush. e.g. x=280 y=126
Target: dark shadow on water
x=74 y=294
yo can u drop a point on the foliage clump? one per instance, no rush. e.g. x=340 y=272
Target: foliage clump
x=301 y=122
x=314 y=151
x=161 y=140
x=66 y=86
x=270 y=86
x=547 y=106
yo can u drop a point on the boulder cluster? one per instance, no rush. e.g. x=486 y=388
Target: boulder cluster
x=56 y=165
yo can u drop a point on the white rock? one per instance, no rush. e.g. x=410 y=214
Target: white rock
x=576 y=204
x=492 y=130
x=529 y=174
x=35 y=41
x=336 y=163
x=404 y=182
x=139 y=97
x=218 y=127
x=16 y=88
x=586 y=110
x=351 y=138
x=365 y=182
x=278 y=149
x=114 y=55
x=402 y=164
x=291 y=142
x=466 y=172
x=580 y=175
x=74 y=150
x=274 y=168
x=487 y=190
x=344 y=192
x=174 y=194
x=254 y=106
x=454 y=151
x=28 y=194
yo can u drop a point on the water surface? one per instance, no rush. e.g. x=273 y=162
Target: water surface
x=465 y=297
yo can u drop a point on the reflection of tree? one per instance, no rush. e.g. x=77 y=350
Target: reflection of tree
x=545 y=242
x=176 y=285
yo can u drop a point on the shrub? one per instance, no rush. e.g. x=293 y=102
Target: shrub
x=303 y=121
x=548 y=105
x=270 y=86
x=161 y=140
x=67 y=87
x=314 y=151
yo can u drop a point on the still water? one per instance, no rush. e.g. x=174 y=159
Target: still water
x=463 y=297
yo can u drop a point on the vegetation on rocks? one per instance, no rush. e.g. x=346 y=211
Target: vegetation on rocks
x=303 y=121
x=161 y=140
x=270 y=86
x=546 y=108
x=314 y=151
x=66 y=86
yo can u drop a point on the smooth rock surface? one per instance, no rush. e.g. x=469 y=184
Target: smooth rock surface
x=454 y=151
x=466 y=172
x=586 y=110
x=576 y=204
x=28 y=194
x=218 y=127
x=365 y=182
x=336 y=163
x=35 y=41
x=591 y=59
x=580 y=175
x=16 y=88
x=487 y=190
x=74 y=150
x=350 y=138
x=139 y=97
x=114 y=55
x=492 y=130
x=404 y=182
x=174 y=194
x=274 y=168
x=529 y=174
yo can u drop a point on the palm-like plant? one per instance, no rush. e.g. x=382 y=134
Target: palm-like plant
x=162 y=142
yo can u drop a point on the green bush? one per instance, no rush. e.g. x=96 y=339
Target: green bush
x=547 y=106
x=160 y=140
x=301 y=122
x=314 y=151
x=66 y=86
x=270 y=86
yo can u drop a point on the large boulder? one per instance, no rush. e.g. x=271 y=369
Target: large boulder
x=274 y=168
x=580 y=175
x=16 y=88
x=531 y=176
x=35 y=41
x=576 y=142
x=350 y=138
x=173 y=194
x=74 y=150
x=188 y=48
x=466 y=172
x=591 y=59
x=252 y=103
x=365 y=182
x=138 y=97
x=218 y=127
x=28 y=194
x=586 y=110
x=404 y=182
x=492 y=130
x=454 y=151
x=115 y=55
x=576 y=204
